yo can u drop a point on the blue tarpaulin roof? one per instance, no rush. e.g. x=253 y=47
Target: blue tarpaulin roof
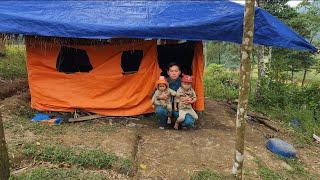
x=186 y=20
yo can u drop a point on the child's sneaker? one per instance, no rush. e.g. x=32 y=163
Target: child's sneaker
x=161 y=127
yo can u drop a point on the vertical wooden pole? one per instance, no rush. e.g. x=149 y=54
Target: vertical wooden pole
x=2 y=45
x=261 y=65
x=4 y=159
x=205 y=49
x=261 y=71
x=244 y=84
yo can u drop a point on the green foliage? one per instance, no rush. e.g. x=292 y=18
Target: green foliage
x=84 y=158
x=304 y=20
x=277 y=94
x=280 y=100
x=207 y=175
x=224 y=53
x=13 y=65
x=267 y=174
x=220 y=82
x=94 y=158
x=286 y=102
x=57 y=174
x=310 y=13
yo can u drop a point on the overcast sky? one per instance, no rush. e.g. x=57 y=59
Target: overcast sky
x=292 y=3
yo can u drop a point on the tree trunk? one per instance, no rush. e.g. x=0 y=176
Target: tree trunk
x=270 y=58
x=304 y=77
x=244 y=83
x=205 y=53
x=292 y=74
x=4 y=159
x=261 y=71
x=2 y=45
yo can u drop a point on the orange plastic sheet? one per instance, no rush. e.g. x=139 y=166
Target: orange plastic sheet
x=104 y=90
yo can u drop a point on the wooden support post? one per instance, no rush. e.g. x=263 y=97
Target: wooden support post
x=2 y=45
x=244 y=84
x=261 y=71
x=4 y=159
x=205 y=52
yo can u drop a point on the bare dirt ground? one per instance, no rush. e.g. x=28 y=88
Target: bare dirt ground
x=155 y=153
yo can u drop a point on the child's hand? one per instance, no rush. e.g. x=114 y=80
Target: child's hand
x=163 y=97
x=183 y=99
x=188 y=100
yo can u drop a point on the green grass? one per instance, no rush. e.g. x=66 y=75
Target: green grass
x=308 y=125
x=268 y=174
x=57 y=174
x=208 y=175
x=13 y=65
x=79 y=157
x=297 y=170
x=281 y=101
x=265 y=172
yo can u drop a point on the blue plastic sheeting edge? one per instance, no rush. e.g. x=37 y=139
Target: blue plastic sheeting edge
x=40 y=117
x=165 y=19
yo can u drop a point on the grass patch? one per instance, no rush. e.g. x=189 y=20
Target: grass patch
x=13 y=65
x=268 y=174
x=265 y=172
x=82 y=158
x=298 y=170
x=57 y=174
x=208 y=175
x=302 y=133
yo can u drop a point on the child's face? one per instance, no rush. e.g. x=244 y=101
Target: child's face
x=185 y=85
x=162 y=87
x=174 y=72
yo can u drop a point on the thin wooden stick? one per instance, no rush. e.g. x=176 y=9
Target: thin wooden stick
x=85 y=118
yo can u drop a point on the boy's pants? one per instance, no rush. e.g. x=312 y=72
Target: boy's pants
x=184 y=112
x=162 y=115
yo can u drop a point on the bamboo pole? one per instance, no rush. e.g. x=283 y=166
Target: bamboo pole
x=4 y=159
x=244 y=84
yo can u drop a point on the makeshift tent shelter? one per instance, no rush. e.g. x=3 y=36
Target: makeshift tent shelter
x=105 y=82
x=105 y=89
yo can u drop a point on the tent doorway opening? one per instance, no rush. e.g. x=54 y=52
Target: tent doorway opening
x=182 y=54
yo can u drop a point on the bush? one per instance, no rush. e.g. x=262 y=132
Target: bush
x=220 y=83
x=286 y=102
x=13 y=65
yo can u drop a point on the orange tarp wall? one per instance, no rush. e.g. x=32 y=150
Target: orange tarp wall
x=103 y=90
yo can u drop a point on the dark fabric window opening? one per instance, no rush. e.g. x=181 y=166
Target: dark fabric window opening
x=182 y=54
x=130 y=61
x=71 y=60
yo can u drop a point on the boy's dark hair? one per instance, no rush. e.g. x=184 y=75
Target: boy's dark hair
x=173 y=64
